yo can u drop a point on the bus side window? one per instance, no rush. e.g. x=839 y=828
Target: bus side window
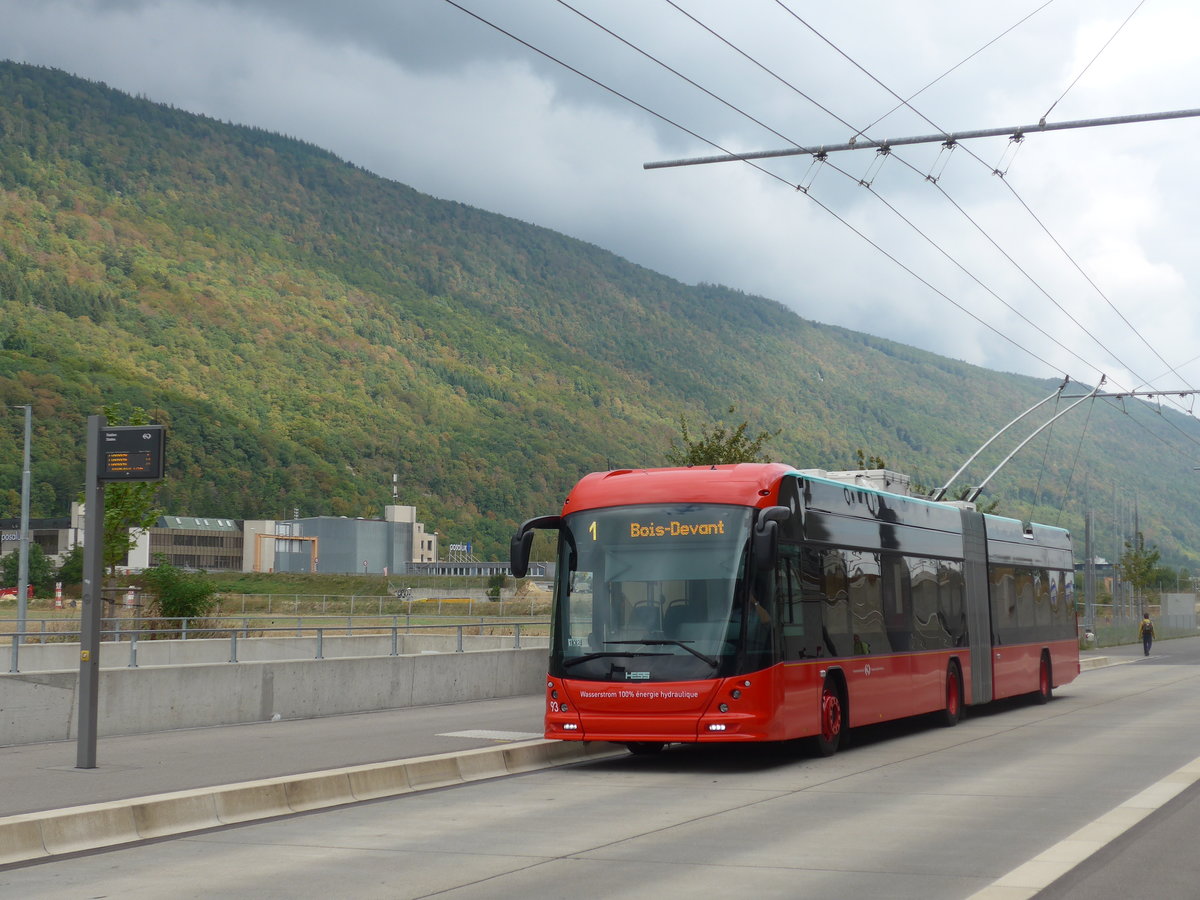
x=952 y=613
x=1004 y=603
x=800 y=587
x=836 y=629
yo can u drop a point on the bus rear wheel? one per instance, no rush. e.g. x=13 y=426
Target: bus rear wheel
x=953 y=711
x=644 y=748
x=1045 y=681
x=829 y=738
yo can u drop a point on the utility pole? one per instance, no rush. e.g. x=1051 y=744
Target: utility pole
x=1089 y=574
x=1117 y=531
x=1139 y=546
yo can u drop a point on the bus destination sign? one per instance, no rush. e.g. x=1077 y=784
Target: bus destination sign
x=132 y=453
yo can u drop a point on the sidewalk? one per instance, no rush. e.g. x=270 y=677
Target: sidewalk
x=155 y=785
x=37 y=777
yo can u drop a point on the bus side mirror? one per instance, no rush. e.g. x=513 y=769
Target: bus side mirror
x=766 y=547
x=766 y=534
x=522 y=542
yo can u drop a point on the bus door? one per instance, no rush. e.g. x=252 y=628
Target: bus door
x=802 y=591
x=975 y=591
x=878 y=673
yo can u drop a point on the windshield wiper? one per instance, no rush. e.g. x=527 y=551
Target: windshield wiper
x=590 y=656
x=666 y=642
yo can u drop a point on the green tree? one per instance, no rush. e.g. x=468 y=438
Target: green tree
x=495 y=585
x=176 y=594
x=71 y=570
x=129 y=506
x=1168 y=578
x=41 y=575
x=717 y=445
x=869 y=462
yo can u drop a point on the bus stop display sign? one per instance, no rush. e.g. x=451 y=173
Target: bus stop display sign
x=132 y=453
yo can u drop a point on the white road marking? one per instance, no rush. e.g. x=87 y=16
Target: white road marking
x=484 y=734
x=1052 y=863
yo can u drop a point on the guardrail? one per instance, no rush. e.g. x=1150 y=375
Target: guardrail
x=471 y=601
x=209 y=628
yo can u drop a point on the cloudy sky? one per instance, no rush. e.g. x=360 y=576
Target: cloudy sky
x=1078 y=261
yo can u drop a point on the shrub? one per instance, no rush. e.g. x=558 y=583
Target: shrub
x=178 y=594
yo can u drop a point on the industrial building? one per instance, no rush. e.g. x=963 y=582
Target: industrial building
x=391 y=545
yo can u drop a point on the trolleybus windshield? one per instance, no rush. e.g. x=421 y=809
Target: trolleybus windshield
x=655 y=592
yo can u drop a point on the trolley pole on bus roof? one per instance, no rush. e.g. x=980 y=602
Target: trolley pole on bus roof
x=1095 y=394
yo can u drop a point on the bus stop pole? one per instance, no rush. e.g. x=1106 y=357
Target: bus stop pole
x=93 y=600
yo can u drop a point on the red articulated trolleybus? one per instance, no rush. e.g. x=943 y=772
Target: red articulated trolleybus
x=757 y=602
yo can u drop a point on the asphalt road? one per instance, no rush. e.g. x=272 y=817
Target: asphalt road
x=1156 y=858
x=908 y=810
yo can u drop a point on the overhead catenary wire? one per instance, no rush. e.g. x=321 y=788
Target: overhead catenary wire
x=904 y=102
x=953 y=139
x=866 y=181
x=765 y=171
x=1017 y=138
x=663 y=118
x=717 y=146
x=1083 y=71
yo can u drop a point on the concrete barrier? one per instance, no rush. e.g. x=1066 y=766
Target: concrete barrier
x=251 y=800
x=92 y=827
x=318 y=791
x=35 y=657
x=21 y=839
x=98 y=825
x=42 y=706
x=379 y=780
x=175 y=813
x=433 y=771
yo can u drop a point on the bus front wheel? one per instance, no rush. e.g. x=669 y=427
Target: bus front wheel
x=833 y=716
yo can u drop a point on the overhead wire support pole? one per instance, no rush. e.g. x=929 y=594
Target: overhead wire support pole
x=978 y=489
x=940 y=493
x=1016 y=132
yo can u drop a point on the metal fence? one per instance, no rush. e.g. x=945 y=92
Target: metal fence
x=406 y=601
x=137 y=630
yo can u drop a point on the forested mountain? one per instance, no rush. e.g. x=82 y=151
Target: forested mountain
x=306 y=329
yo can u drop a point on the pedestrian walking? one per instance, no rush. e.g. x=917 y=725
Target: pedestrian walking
x=1146 y=630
